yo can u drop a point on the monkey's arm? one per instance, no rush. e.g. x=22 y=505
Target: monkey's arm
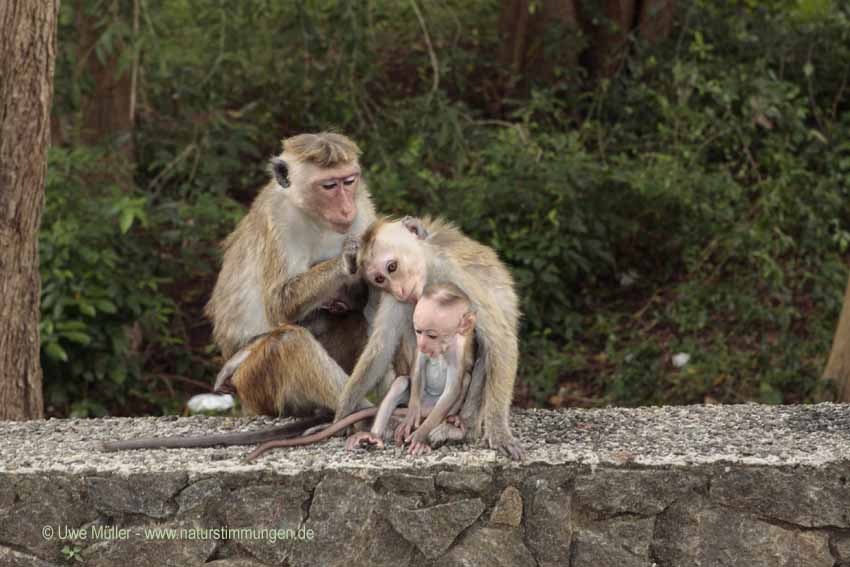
x=414 y=405
x=397 y=394
x=474 y=398
x=289 y=301
x=440 y=410
x=392 y=317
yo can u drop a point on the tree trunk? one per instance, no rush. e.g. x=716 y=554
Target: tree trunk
x=655 y=21
x=513 y=25
x=108 y=109
x=838 y=366
x=525 y=35
x=609 y=35
x=27 y=57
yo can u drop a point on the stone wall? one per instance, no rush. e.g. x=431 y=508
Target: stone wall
x=688 y=486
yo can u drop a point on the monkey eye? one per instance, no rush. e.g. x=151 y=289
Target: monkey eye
x=379 y=279
x=392 y=266
x=350 y=179
x=328 y=184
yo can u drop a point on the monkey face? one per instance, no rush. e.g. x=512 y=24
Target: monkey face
x=437 y=326
x=329 y=195
x=397 y=263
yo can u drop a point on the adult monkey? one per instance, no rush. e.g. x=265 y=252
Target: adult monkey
x=401 y=258
x=289 y=266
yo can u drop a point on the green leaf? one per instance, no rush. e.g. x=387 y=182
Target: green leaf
x=126 y=220
x=76 y=337
x=56 y=352
x=106 y=306
x=86 y=309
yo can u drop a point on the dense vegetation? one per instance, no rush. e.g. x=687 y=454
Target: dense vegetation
x=694 y=200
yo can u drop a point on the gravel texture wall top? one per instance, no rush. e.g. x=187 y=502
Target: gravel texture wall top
x=706 y=486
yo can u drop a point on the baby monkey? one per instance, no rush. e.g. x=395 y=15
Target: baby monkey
x=442 y=376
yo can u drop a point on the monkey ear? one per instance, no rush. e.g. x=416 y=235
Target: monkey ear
x=415 y=226
x=467 y=323
x=281 y=172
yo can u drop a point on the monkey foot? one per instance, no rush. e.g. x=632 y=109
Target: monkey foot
x=363 y=438
x=506 y=445
x=418 y=448
x=456 y=421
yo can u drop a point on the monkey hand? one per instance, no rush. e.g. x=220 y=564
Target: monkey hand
x=363 y=438
x=405 y=429
x=457 y=421
x=418 y=445
x=348 y=258
x=504 y=442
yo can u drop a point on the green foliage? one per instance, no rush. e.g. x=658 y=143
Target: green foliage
x=694 y=202
x=100 y=294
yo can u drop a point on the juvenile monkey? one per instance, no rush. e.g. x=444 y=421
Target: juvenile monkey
x=289 y=276
x=442 y=371
x=401 y=258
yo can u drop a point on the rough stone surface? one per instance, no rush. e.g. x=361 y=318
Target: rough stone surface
x=143 y=546
x=548 y=511
x=702 y=535
x=432 y=530
x=12 y=558
x=508 y=510
x=489 y=547
x=619 y=542
x=474 y=482
x=702 y=486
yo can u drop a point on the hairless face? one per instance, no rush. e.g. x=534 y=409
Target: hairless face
x=437 y=326
x=397 y=263
x=331 y=194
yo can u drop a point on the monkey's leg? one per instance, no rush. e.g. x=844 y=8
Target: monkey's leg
x=289 y=373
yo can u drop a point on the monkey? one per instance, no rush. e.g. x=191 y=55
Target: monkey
x=400 y=258
x=289 y=276
x=290 y=312
x=442 y=372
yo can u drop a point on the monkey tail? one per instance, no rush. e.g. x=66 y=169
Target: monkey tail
x=329 y=431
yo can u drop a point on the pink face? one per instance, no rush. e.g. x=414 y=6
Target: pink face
x=332 y=192
x=397 y=264
x=437 y=326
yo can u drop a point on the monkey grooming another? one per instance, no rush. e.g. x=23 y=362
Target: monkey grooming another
x=290 y=313
x=401 y=258
x=442 y=371
x=289 y=275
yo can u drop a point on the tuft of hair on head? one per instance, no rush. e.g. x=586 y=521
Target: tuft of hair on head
x=324 y=149
x=367 y=239
x=446 y=294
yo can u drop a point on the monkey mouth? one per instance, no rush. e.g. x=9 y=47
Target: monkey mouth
x=341 y=227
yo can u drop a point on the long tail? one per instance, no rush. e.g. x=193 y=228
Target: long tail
x=238 y=438
x=329 y=431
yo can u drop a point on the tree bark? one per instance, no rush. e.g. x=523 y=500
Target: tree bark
x=27 y=57
x=655 y=21
x=838 y=366
x=609 y=35
x=107 y=111
x=525 y=34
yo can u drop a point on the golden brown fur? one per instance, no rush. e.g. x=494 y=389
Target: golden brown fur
x=283 y=264
x=476 y=269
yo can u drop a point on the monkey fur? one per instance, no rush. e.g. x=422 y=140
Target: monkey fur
x=425 y=251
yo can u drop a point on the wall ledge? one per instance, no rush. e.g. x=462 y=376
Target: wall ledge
x=695 y=485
